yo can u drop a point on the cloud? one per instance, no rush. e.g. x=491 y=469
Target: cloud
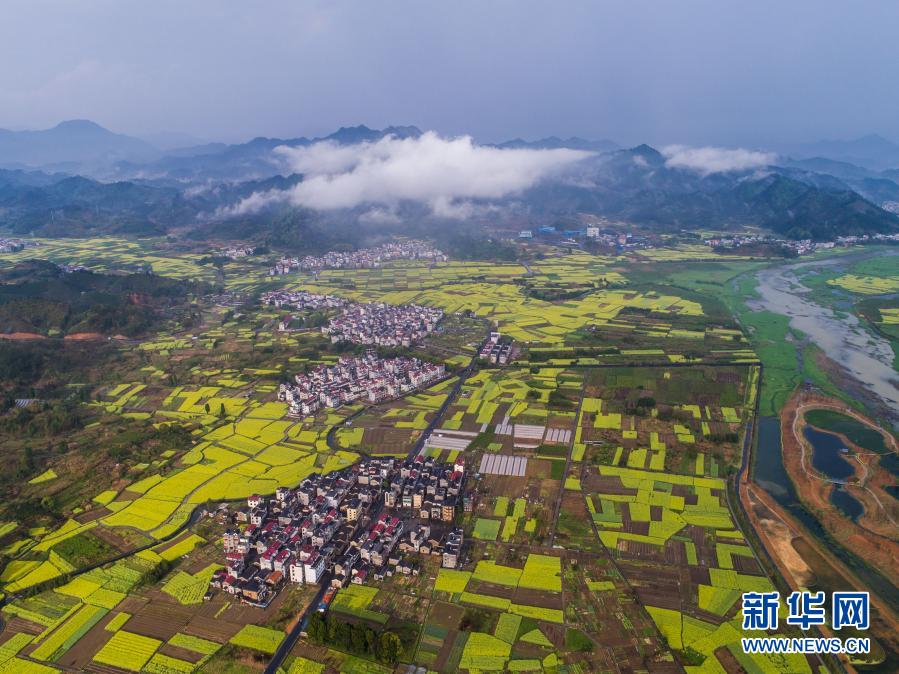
x=380 y=216
x=445 y=174
x=252 y=204
x=706 y=160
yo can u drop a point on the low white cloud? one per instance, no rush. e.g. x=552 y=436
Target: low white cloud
x=707 y=160
x=445 y=174
x=252 y=204
x=380 y=216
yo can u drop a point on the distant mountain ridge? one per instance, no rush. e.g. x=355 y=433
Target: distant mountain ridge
x=872 y=151
x=72 y=142
x=250 y=160
x=195 y=188
x=638 y=185
x=555 y=143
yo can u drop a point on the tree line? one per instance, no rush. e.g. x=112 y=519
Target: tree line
x=384 y=646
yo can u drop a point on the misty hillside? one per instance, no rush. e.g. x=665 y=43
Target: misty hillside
x=637 y=185
x=872 y=151
x=199 y=189
x=252 y=160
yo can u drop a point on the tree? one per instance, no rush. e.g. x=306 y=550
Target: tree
x=332 y=631
x=389 y=648
x=317 y=630
x=371 y=640
x=357 y=639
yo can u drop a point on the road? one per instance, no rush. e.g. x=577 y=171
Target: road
x=288 y=643
x=450 y=399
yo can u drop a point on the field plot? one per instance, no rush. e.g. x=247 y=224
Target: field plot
x=641 y=570
x=500 y=464
x=870 y=276
x=393 y=428
x=355 y=600
x=661 y=508
x=661 y=419
x=510 y=614
x=151 y=625
x=515 y=409
x=518 y=425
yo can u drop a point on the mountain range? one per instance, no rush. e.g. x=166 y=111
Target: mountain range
x=93 y=181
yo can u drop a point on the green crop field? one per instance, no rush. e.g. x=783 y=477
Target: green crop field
x=258 y=638
x=127 y=650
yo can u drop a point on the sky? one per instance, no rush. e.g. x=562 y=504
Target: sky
x=716 y=72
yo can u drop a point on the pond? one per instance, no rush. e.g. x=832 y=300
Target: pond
x=768 y=471
x=827 y=454
x=847 y=504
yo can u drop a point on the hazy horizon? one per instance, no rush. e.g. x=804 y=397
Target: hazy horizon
x=700 y=73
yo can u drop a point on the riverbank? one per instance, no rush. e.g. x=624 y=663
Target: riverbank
x=860 y=355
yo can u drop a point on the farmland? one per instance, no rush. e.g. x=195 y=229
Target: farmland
x=599 y=534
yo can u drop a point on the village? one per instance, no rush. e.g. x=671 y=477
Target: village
x=367 y=377
x=383 y=324
x=14 y=245
x=366 y=522
x=302 y=300
x=364 y=258
x=800 y=247
x=376 y=323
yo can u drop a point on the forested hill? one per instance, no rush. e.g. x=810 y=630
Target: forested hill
x=40 y=297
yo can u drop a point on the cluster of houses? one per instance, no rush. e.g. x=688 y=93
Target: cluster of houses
x=344 y=527
x=235 y=252
x=801 y=247
x=496 y=350
x=376 y=323
x=300 y=299
x=868 y=238
x=596 y=233
x=383 y=324
x=14 y=245
x=365 y=258
x=365 y=377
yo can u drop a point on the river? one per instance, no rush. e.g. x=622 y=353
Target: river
x=867 y=357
